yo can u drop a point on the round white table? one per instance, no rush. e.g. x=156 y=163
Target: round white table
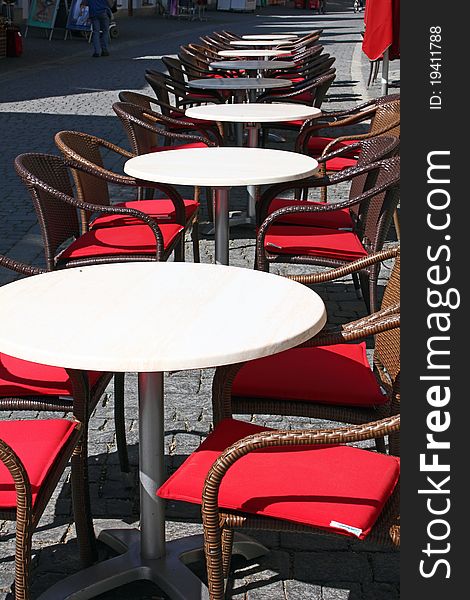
x=251 y=52
x=270 y=36
x=252 y=115
x=239 y=85
x=253 y=65
x=261 y=43
x=43 y=321
x=221 y=168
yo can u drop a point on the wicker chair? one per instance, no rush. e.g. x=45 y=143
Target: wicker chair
x=251 y=477
x=23 y=494
x=174 y=119
x=310 y=91
x=382 y=113
x=92 y=186
x=327 y=377
x=131 y=235
x=333 y=247
x=23 y=385
x=164 y=86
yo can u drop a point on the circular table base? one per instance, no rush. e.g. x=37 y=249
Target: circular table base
x=169 y=573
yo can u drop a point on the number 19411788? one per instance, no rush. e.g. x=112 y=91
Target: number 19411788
x=435 y=64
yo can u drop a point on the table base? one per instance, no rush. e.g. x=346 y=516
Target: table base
x=170 y=573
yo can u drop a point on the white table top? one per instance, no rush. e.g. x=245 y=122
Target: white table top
x=221 y=166
x=270 y=36
x=252 y=52
x=252 y=65
x=154 y=316
x=253 y=113
x=239 y=83
x=265 y=43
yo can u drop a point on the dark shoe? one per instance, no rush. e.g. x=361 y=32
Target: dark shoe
x=104 y=53
x=95 y=55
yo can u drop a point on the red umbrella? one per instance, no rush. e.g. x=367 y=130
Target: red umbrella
x=382 y=32
x=382 y=29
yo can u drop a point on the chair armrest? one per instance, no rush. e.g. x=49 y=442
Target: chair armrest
x=19 y=267
x=278 y=438
x=99 y=208
x=352 y=267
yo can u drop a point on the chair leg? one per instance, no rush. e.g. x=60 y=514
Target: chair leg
x=195 y=240
x=357 y=285
x=210 y=203
x=396 y=222
x=368 y=294
x=81 y=502
x=380 y=445
x=23 y=556
x=120 y=422
x=179 y=251
x=227 y=545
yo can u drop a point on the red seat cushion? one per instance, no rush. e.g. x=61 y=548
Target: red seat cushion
x=314 y=241
x=38 y=444
x=339 y=374
x=337 y=219
x=19 y=378
x=303 y=484
x=128 y=239
x=179 y=147
x=160 y=210
x=339 y=163
x=316 y=145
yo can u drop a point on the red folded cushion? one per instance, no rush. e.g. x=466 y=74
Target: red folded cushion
x=128 y=239
x=317 y=486
x=314 y=241
x=160 y=210
x=337 y=219
x=37 y=443
x=19 y=378
x=339 y=374
x=179 y=147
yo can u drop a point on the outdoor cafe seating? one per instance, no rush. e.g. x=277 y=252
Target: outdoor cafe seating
x=339 y=479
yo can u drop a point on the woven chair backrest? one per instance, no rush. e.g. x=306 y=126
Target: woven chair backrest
x=58 y=220
x=141 y=139
x=156 y=81
x=372 y=150
x=85 y=148
x=387 y=344
x=386 y=117
x=175 y=69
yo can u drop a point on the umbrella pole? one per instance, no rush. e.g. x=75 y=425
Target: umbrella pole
x=385 y=73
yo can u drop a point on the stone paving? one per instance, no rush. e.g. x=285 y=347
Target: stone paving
x=55 y=86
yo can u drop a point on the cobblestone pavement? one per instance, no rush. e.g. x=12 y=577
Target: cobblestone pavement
x=56 y=86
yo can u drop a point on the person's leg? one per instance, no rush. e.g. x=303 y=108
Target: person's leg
x=95 y=36
x=104 y=36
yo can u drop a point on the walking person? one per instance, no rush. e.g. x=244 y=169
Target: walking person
x=100 y=17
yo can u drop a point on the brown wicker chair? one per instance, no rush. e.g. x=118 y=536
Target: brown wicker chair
x=21 y=390
x=176 y=119
x=92 y=186
x=383 y=115
x=311 y=91
x=164 y=87
x=23 y=499
x=330 y=247
x=327 y=377
x=252 y=477
x=130 y=236
x=143 y=128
